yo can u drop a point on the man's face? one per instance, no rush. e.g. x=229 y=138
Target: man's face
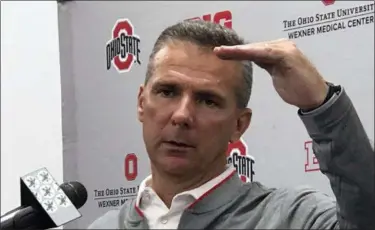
x=188 y=109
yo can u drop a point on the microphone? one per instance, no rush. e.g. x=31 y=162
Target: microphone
x=45 y=204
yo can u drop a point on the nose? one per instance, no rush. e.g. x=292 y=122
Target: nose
x=183 y=115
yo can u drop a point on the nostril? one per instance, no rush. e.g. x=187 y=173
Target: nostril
x=180 y=123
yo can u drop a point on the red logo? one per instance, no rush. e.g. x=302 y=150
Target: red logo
x=328 y=2
x=123 y=48
x=131 y=166
x=237 y=155
x=311 y=163
x=223 y=17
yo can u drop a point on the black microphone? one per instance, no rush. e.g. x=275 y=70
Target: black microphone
x=44 y=204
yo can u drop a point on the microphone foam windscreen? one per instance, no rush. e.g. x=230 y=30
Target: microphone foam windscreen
x=76 y=192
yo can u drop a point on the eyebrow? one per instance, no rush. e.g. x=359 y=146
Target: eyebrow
x=210 y=95
x=162 y=83
x=204 y=93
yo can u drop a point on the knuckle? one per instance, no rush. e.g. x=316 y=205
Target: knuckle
x=268 y=49
x=292 y=48
x=292 y=43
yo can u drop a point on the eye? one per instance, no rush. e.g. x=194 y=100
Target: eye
x=208 y=102
x=166 y=92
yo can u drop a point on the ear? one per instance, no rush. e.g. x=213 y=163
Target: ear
x=242 y=123
x=140 y=103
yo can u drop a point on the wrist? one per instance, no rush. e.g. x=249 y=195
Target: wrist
x=331 y=89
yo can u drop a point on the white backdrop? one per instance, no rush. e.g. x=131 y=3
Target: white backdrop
x=103 y=146
x=30 y=95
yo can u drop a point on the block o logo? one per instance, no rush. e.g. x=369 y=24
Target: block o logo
x=131 y=166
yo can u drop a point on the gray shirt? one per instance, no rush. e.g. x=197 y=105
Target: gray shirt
x=345 y=156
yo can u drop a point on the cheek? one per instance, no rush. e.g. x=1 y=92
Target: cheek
x=149 y=110
x=216 y=130
x=155 y=114
x=218 y=121
x=150 y=126
x=214 y=141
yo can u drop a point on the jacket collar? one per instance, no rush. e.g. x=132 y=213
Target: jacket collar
x=218 y=196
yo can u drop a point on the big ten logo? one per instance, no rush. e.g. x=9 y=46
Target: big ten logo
x=242 y=161
x=223 y=17
x=131 y=166
x=311 y=163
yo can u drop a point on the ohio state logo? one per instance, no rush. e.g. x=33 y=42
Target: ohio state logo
x=123 y=48
x=242 y=161
x=131 y=166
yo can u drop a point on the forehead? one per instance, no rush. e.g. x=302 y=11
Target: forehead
x=191 y=64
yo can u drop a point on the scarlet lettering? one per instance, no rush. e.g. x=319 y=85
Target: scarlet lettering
x=223 y=17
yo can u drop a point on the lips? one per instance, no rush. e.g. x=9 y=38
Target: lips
x=179 y=144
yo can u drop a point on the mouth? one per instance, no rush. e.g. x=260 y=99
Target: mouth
x=179 y=144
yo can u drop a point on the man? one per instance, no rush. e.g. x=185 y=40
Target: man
x=194 y=101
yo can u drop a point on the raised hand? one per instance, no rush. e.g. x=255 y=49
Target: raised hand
x=294 y=77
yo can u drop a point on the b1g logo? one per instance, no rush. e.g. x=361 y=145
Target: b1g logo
x=242 y=161
x=223 y=17
x=311 y=163
x=123 y=48
x=131 y=167
x=328 y=2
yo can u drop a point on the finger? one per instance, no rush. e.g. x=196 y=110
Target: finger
x=236 y=52
x=270 y=42
x=267 y=53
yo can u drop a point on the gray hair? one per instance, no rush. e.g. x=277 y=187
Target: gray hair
x=207 y=35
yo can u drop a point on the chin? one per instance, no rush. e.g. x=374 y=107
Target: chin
x=176 y=172
x=176 y=167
